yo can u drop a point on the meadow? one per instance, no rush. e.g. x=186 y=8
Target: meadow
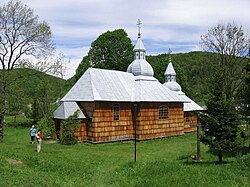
x=160 y=162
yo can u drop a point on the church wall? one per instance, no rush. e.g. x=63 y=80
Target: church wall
x=190 y=122
x=150 y=126
x=104 y=128
x=81 y=132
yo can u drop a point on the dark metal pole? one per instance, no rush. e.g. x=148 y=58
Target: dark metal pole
x=134 y=124
x=198 y=142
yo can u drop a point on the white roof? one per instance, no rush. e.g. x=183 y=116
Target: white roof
x=170 y=70
x=139 y=45
x=67 y=109
x=110 y=85
x=140 y=67
x=174 y=86
x=191 y=105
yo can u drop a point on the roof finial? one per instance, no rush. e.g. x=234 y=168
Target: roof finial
x=169 y=53
x=139 y=27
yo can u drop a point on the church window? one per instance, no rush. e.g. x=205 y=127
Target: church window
x=116 y=112
x=187 y=117
x=163 y=112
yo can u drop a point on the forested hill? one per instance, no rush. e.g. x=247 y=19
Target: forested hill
x=192 y=71
x=28 y=86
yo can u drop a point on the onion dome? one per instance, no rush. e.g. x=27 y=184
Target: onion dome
x=140 y=66
x=170 y=77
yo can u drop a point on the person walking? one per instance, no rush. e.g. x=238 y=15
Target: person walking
x=39 y=137
x=32 y=134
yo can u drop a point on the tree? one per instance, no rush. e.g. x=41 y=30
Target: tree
x=231 y=44
x=111 y=50
x=83 y=66
x=21 y=36
x=244 y=99
x=221 y=123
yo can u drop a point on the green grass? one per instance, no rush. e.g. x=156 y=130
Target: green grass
x=161 y=162
x=11 y=119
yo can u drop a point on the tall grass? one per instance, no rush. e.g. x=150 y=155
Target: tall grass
x=161 y=162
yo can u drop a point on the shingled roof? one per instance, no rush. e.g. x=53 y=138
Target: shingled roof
x=110 y=85
x=67 y=109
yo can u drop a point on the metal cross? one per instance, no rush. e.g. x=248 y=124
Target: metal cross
x=169 y=53
x=139 y=26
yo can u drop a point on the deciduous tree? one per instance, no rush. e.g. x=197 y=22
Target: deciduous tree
x=22 y=37
x=111 y=50
x=231 y=44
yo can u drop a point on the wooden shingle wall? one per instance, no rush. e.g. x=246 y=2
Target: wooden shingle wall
x=103 y=128
x=81 y=133
x=190 y=122
x=150 y=126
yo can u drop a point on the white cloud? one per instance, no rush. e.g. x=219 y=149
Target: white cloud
x=166 y=23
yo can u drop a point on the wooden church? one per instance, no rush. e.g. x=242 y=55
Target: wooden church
x=112 y=104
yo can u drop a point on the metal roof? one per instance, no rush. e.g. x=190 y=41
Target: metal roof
x=67 y=109
x=140 y=67
x=174 y=86
x=170 y=70
x=110 y=85
x=191 y=105
x=139 y=45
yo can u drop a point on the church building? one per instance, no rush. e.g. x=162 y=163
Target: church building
x=113 y=103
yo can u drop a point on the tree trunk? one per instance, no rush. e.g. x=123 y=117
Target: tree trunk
x=220 y=156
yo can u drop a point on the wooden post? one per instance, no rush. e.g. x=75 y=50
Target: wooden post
x=134 y=124
x=198 y=158
x=1 y=127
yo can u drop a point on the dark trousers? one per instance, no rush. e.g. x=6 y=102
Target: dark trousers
x=32 y=139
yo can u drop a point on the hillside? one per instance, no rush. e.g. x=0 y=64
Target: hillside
x=192 y=71
x=27 y=85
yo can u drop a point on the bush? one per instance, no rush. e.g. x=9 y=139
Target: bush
x=69 y=126
x=47 y=126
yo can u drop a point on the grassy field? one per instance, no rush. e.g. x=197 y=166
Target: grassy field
x=11 y=119
x=161 y=162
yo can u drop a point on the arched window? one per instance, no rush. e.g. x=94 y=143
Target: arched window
x=116 y=112
x=163 y=112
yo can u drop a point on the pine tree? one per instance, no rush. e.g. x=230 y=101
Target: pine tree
x=221 y=123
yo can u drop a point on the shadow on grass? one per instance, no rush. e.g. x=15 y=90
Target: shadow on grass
x=243 y=151
x=189 y=160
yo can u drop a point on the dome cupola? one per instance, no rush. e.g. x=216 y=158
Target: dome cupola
x=170 y=77
x=140 y=66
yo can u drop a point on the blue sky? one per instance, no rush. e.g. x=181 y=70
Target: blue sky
x=175 y=24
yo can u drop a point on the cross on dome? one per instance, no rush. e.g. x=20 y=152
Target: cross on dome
x=169 y=54
x=139 y=23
